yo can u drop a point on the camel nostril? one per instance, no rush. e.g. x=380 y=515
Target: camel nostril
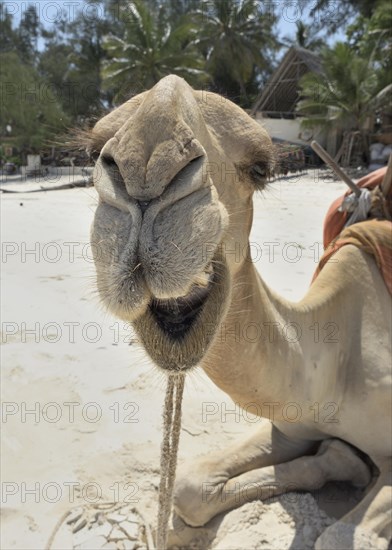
x=143 y=205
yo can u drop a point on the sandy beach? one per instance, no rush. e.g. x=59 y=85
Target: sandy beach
x=81 y=413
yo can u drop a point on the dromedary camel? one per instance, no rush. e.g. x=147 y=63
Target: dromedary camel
x=176 y=170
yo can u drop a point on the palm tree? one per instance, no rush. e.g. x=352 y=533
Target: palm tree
x=153 y=46
x=330 y=16
x=305 y=37
x=372 y=37
x=347 y=91
x=344 y=93
x=236 y=39
x=364 y=7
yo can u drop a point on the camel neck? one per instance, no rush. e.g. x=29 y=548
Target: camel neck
x=255 y=334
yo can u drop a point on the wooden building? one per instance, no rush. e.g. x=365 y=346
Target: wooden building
x=275 y=106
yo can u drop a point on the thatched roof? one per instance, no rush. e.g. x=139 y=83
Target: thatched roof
x=280 y=94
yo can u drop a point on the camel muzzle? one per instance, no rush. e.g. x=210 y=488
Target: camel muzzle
x=180 y=232
x=177 y=315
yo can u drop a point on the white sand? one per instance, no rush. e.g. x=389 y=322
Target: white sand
x=55 y=457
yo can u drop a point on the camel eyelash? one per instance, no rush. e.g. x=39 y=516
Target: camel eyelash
x=258 y=173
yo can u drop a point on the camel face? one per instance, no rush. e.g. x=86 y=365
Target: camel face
x=175 y=177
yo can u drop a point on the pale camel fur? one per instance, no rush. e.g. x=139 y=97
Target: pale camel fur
x=175 y=173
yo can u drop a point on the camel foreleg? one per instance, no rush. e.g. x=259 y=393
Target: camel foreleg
x=266 y=465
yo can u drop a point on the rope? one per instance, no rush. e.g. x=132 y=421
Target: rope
x=169 y=450
x=362 y=205
x=381 y=206
x=171 y=436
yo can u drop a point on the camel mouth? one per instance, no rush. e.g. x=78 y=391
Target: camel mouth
x=176 y=316
x=177 y=332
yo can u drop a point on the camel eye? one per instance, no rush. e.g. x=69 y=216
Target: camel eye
x=259 y=173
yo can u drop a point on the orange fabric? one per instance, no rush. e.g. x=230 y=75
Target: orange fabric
x=372 y=236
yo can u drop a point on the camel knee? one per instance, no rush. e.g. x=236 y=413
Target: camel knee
x=187 y=499
x=341 y=462
x=196 y=495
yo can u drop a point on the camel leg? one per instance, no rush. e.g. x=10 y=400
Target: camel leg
x=259 y=469
x=369 y=525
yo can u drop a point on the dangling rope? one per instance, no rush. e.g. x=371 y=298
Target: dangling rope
x=169 y=449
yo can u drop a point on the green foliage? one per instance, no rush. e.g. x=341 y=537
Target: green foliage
x=52 y=68
x=24 y=39
x=236 y=37
x=29 y=31
x=72 y=64
x=226 y=44
x=333 y=15
x=356 y=78
x=9 y=38
x=154 y=45
x=88 y=64
x=373 y=37
x=27 y=104
x=373 y=34
x=305 y=37
x=345 y=94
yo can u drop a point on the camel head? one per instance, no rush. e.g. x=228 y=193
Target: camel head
x=175 y=173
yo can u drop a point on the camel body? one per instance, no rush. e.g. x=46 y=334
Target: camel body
x=335 y=364
x=176 y=171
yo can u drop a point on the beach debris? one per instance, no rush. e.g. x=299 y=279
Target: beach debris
x=116 y=526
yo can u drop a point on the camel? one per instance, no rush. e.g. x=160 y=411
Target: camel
x=175 y=172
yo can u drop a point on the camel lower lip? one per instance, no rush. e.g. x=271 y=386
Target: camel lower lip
x=176 y=316
x=177 y=332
